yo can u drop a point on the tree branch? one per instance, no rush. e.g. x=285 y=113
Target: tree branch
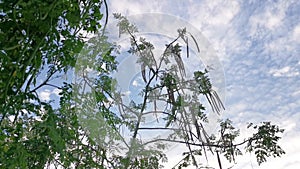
x=201 y=144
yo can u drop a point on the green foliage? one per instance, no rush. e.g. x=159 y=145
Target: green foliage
x=40 y=41
x=264 y=142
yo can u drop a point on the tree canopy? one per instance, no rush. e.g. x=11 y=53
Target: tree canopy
x=43 y=41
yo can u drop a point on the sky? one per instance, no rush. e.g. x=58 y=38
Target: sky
x=257 y=47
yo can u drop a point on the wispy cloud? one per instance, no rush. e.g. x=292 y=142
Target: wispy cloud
x=285 y=71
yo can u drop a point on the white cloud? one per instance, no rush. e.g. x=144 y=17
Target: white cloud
x=285 y=71
x=296 y=93
x=131 y=7
x=274 y=25
x=213 y=19
x=296 y=33
x=269 y=16
x=126 y=93
x=221 y=12
x=56 y=91
x=135 y=83
x=45 y=95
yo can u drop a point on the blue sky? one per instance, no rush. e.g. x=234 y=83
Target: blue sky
x=258 y=44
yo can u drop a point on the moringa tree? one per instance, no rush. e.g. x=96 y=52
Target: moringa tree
x=168 y=101
x=42 y=41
